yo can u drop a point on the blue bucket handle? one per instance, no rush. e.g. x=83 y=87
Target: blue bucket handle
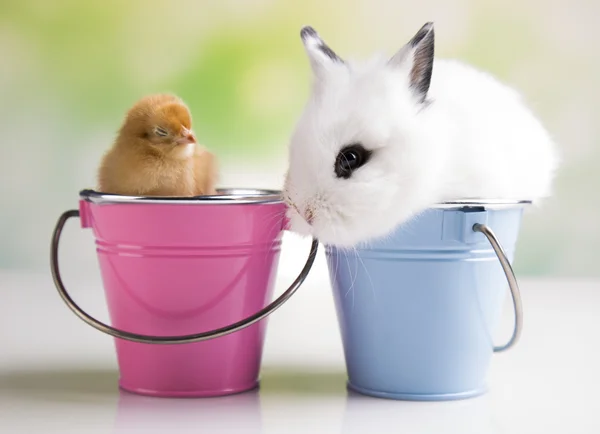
x=512 y=284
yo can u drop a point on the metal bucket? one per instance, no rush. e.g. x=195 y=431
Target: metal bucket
x=181 y=275
x=417 y=308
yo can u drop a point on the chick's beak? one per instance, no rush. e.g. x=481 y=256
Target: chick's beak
x=187 y=137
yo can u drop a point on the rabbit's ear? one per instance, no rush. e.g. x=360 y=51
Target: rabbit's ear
x=321 y=56
x=417 y=57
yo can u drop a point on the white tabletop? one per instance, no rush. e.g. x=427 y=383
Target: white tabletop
x=59 y=375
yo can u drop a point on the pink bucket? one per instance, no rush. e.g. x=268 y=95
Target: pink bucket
x=187 y=282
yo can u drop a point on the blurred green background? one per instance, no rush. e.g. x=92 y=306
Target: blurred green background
x=70 y=69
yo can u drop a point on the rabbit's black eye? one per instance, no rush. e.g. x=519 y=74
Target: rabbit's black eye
x=349 y=159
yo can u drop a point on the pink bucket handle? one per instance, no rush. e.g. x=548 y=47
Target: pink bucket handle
x=147 y=339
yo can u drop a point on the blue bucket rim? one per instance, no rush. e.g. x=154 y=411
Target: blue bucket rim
x=490 y=204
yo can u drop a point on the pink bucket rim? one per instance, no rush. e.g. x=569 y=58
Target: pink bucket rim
x=224 y=196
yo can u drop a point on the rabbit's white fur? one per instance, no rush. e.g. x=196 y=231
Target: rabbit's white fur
x=473 y=138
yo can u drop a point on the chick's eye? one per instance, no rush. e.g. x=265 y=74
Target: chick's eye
x=349 y=159
x=160 y=131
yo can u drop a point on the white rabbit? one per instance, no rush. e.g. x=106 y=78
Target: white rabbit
x=380 y=141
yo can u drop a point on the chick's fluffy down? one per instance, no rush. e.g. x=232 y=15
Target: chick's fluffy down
x=156 y=153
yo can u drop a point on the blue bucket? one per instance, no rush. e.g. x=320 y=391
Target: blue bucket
x=417 y=309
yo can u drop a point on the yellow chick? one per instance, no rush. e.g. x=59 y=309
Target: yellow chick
x=156 y=153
